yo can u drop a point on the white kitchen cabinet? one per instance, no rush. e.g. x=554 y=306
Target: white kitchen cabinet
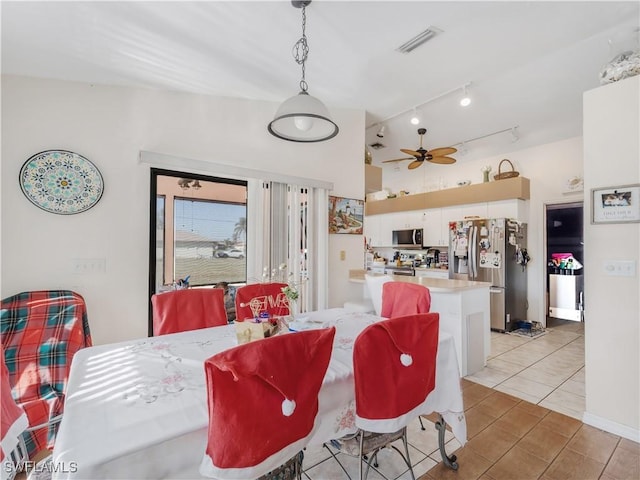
x=479 y=210
x=372 y=229
x=377 y=229
x=433 y=236
x=515 y=208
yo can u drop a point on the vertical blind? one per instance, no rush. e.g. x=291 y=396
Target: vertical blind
x=290 y=228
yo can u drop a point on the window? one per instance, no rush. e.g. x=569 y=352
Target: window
x=199 y=229
x=209 y=241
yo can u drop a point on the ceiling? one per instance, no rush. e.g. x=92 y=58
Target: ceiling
x=528 y=62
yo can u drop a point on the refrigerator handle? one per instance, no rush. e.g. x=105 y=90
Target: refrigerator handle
x=473 y=252
x=470 y=256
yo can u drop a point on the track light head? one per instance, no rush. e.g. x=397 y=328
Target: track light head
x=380 y=133
x=465 y=101
x=514 y=135
x=415 y=119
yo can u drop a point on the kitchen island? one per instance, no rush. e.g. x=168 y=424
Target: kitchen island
x=464 y=313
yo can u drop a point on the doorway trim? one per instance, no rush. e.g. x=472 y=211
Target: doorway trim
x=545 y=277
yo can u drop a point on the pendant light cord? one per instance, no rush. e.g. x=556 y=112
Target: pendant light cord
x=301 y=51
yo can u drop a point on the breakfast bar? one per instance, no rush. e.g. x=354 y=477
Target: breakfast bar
x=464 y=313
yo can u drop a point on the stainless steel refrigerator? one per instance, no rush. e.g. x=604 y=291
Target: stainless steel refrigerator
x=493 y=250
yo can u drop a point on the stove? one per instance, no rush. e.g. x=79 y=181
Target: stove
x=406 y=270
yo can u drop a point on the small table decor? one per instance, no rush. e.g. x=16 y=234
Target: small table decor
x=61 y=182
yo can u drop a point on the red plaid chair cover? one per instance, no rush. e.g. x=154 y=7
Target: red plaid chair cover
x=40 y=332
x=261 y=297
x=403 y=298
x=189 y=309
x=263 y=402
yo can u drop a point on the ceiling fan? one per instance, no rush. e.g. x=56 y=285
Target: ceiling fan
x=437 y=155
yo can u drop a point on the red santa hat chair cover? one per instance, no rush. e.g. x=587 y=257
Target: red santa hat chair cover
x=261 y=297
x=188 y=309
x=394 y=363
x=403 y=298
x=263 y=402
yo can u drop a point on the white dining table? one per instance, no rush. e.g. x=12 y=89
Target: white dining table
x=138 y=409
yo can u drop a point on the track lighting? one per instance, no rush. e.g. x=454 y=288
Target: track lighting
x=415 y=119
x=514 y=137
x=380 y=133
x=465 y=101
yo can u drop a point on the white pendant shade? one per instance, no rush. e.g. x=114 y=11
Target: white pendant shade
x=303 y=118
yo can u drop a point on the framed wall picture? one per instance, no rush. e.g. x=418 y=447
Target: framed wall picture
x=615 y=204
x=345 y=215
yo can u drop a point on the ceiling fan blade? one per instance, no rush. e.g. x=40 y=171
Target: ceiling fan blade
x=415 y=164
x=410 y=152
x=398 y=160
x=443 y=160
x=442 y=152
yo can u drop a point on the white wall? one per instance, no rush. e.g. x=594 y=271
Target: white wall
x=612 y=313
x=548 y=167
x=110 y=126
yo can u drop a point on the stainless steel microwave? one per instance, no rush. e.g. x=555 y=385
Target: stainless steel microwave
x=407 y=238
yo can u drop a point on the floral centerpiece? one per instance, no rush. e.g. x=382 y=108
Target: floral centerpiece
x=292 y=294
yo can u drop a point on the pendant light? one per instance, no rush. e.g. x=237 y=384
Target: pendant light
x=303 y=118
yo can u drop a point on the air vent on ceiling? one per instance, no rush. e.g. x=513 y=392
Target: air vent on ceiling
x=377 y=145
x=418 y=40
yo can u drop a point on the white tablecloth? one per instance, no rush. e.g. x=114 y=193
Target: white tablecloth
x=138 y=409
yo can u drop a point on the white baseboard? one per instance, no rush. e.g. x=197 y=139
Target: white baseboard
x=611 y=427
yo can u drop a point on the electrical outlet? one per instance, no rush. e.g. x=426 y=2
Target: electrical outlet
x=84 y=266
x=620 y=268
x=343 y=255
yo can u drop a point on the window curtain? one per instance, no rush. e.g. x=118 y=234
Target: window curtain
x=289 y=228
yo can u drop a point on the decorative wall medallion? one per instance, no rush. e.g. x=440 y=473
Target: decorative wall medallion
x=61 y=182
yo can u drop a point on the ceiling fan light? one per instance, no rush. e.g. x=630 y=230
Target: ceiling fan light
x=303 y=118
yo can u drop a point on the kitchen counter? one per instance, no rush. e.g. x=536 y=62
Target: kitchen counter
x=433 y=284
x=463 y=306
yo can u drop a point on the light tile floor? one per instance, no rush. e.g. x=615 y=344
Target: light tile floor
x=547 y=370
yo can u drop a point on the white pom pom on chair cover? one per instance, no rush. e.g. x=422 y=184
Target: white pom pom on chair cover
x=263 y=402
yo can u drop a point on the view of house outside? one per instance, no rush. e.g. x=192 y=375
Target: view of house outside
x=210 y=241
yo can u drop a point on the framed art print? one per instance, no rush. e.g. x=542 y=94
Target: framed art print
x=345 y=215
x=615 y=204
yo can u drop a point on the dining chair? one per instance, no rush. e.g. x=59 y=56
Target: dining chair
x=394 y=364
x=257 y=298
x=40 y=332
x=404 y=298
x=374 y=285
x=263 y=403
x=189 y=309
